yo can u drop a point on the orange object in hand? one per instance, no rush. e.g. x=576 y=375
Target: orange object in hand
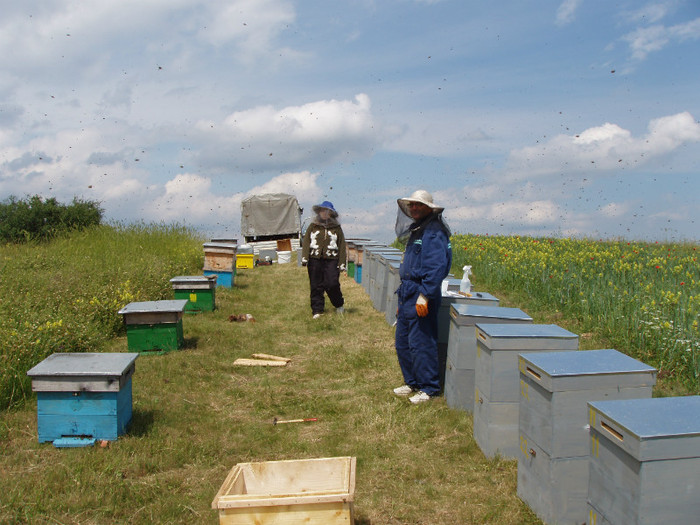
x=422 y=306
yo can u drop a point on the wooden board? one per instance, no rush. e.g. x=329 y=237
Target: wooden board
x=242 y=361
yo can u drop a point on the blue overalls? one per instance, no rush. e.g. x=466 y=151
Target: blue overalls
x=426 y=262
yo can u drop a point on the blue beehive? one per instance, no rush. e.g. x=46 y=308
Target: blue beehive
x=83 y=397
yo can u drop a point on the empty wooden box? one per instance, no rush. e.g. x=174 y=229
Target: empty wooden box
x=83 y=397
x=497 y=379
x=461 y=348
x=310 y=491
x=154 y=325
x=555 y=389
x=198 y=290
x=644 y=461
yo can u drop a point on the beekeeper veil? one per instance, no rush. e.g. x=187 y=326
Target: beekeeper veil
x=403 y=216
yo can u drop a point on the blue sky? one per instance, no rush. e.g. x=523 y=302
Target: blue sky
x=572 y=118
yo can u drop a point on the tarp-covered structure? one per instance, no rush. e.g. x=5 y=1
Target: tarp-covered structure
x=270 y=216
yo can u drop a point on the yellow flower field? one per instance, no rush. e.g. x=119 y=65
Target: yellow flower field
x=644 y=297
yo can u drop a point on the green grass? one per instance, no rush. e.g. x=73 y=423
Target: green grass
x=196 y=415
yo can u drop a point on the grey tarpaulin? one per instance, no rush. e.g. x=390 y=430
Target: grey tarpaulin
x=270 y=214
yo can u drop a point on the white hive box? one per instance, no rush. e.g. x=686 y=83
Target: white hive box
x=461 y=348
x=553 y=423
x=392 y=284
x=497 y=379
x=645 y=461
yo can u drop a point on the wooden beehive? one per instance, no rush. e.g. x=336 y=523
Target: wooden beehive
x=644 y=461
x=555 y=388
x=219 y=256
x=497 y=379
x=83 y=397
x=154 y=325
x=461 y=348
x=311 y=491
x=198 y=290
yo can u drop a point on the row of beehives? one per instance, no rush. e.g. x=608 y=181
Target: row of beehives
x=592 y=444
x=84 y=398
x=74 y=388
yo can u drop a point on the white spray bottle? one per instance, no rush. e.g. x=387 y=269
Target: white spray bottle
x=465 y=285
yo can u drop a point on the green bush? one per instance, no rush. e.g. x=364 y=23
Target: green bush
x=40 y=219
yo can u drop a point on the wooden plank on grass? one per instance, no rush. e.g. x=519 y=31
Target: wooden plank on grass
x=272 y=357
x=241 y=361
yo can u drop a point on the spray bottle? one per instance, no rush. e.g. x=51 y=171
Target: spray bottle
x=465 y=285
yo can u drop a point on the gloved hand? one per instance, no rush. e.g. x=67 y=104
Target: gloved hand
x=422 y=306
x=342 y=267
x=304 y=261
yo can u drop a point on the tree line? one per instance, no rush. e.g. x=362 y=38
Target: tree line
x=37 y=218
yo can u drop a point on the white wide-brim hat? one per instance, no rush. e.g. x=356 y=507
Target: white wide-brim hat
x=421 y=196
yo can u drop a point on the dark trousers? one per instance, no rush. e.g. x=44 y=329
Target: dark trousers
x=324 y=277
x=417 y=347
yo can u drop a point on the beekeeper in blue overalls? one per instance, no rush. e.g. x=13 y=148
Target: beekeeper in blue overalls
x=426 y=262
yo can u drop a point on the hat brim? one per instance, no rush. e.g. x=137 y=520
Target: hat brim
x=403 y=204
x=318 y=208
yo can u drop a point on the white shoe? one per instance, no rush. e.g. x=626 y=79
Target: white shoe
x=340 y=310
x=420 y=397
x=317 y=316
x=403 y=390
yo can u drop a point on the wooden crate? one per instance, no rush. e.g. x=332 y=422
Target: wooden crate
x=154 y=325
x=310 y=491
x=461 y=347
x=645 y=461
x=83 y=397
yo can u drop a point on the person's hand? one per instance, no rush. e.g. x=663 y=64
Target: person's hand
x=342 y=267
x=304 y=261
x=422 y=306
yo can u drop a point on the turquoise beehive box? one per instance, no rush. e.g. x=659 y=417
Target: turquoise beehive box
x=83 y=397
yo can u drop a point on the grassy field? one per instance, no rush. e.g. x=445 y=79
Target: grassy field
x=196 y=415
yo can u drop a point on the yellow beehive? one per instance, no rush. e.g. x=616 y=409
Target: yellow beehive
x=310 y=491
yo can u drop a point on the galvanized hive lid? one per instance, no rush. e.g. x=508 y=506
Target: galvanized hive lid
x=508 y=330
x=650 y=429
x=168 y=305
x=557 y=371
x=476 y=312
x=84 y=364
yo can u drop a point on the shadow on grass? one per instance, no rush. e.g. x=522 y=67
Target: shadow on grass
x=141 y=422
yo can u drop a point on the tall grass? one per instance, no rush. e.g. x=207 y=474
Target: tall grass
x=64 y=295
x=644 y=298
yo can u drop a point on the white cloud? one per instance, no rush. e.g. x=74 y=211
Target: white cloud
x=566 y=12
x=604 y=148
x=646 y=40
x=292 y=137
x=301 y=184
